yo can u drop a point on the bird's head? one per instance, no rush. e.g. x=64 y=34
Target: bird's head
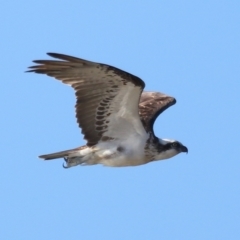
x=169 y=148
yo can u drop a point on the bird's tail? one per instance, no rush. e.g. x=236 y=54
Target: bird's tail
x=62 y=154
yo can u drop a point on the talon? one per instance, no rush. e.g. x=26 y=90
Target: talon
x=64 y=166
x=65 y=159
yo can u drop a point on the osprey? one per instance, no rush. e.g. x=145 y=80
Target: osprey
x=115 y=115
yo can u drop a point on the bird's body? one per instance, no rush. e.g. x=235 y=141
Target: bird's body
x=116 y=117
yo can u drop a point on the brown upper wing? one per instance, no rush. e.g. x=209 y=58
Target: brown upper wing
x=151 y=105
x=103 y=94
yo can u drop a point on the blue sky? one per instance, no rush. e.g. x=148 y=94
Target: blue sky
x=187 y=49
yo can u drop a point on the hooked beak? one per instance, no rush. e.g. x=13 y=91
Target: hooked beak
x=184 y=149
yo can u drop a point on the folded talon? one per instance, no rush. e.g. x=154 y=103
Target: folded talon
x=64 y=166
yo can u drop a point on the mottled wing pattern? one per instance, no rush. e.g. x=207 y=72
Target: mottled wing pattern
x=151 y=105
x=107 y=97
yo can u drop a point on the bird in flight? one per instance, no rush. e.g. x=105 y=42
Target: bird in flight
x=115 y=114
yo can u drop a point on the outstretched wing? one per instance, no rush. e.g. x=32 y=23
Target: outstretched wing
x=107 y=97
x=151 y=105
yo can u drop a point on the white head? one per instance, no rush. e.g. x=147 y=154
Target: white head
x=168 y=148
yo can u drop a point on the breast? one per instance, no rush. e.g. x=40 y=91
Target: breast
x=120 y=154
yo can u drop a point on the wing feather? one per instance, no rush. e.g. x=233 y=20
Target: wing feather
x=151 y=105
x=106 y=96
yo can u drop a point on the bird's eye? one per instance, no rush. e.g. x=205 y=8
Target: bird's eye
x=175 y=144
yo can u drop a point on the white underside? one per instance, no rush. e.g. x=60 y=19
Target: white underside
x=130 y=153
x=107 y=153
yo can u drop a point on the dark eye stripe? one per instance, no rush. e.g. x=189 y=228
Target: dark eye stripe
x=175 y=144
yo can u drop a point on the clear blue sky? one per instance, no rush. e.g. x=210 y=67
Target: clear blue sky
x=187 y=49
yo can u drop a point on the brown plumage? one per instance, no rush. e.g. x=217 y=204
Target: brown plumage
x=151 y=105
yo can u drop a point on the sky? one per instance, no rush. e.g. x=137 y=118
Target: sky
x=187 y=49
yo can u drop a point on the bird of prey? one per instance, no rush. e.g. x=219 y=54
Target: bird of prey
x=115 y=114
